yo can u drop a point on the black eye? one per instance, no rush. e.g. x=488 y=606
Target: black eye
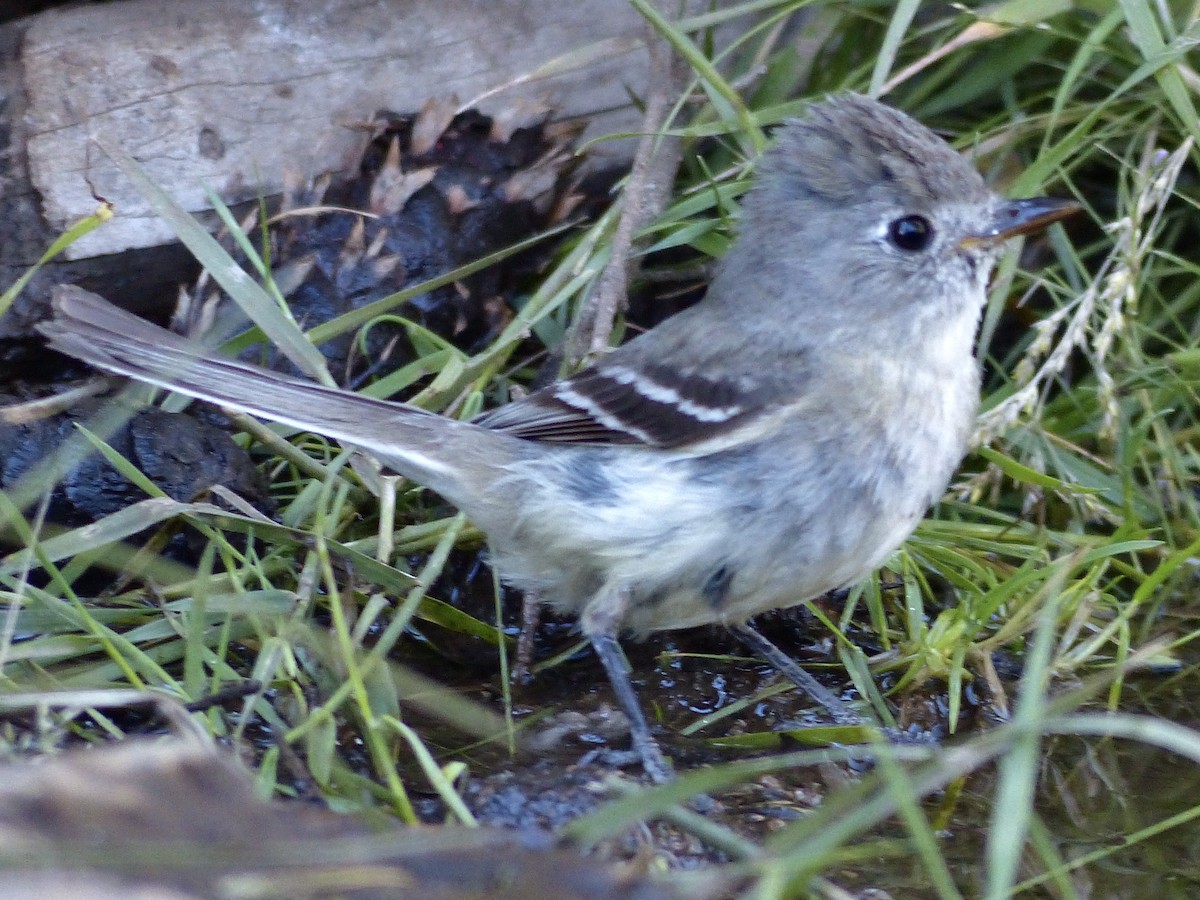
x=911 y=233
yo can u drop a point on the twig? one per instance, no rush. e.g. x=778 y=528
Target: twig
x=646 y=193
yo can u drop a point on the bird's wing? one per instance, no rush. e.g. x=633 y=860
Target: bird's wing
x=651 y=405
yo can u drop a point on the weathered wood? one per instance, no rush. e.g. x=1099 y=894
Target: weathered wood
x=231 y=94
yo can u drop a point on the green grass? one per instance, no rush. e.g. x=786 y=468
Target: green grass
x=1067 y=542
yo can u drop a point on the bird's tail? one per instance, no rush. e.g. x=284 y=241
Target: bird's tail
x=449 y=456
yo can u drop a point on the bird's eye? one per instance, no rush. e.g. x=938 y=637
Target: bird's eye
x=911 y=233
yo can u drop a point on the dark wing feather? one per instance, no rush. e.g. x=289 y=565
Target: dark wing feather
x=614 y=403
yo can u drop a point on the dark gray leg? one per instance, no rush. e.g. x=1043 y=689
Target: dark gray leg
x=842 y=714
x=644 y=744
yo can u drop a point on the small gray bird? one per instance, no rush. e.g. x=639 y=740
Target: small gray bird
x=775 y=441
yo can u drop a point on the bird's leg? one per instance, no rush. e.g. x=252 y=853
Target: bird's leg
x=601 y=622
x=842 y=714
x=644 y=744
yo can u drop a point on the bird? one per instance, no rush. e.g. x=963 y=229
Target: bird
x=775 y=441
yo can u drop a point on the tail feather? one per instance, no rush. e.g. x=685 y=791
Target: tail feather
x=416 y=443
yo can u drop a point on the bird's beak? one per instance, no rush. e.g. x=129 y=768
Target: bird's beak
x=1017 y=217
